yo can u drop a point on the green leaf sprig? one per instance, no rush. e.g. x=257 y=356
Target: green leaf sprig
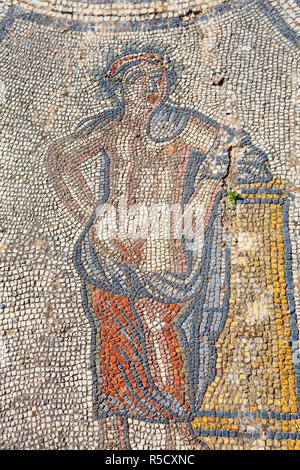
x=233 y=196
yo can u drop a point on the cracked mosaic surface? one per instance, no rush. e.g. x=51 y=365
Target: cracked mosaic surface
x=149 y=225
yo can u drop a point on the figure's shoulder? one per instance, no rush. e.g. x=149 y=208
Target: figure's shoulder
x=169 y=120
x=203 y=121
x=92 y=129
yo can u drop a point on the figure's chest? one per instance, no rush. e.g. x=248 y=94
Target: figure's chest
x=130 y=150
x=157 y=154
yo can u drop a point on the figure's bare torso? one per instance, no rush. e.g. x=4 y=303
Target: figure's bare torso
x=143 y=172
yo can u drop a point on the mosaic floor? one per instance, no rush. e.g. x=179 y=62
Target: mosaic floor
x=149 y=225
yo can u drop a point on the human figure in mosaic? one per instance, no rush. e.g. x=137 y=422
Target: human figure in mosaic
x=157 y=304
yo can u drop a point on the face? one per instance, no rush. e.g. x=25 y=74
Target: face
x=145 y=86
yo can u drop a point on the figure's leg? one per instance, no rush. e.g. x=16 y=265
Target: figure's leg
x=120 y=357
x=101 y=306
x=166 y=359
x=141 y=367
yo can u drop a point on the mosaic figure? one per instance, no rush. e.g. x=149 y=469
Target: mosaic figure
x=156 y=297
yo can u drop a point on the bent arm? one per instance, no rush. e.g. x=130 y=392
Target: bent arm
x=209 y=156
x=63 y=165
x=211 y=142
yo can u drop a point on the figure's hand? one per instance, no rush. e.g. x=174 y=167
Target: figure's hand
x=225 y=138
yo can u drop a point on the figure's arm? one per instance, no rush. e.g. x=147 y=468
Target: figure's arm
x=252 y=165
x=210 y=151
x=63 y=164
x=212 y=141
x=209 y=147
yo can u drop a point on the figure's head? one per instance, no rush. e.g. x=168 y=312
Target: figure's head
x=145 y=85
x=141 y=78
